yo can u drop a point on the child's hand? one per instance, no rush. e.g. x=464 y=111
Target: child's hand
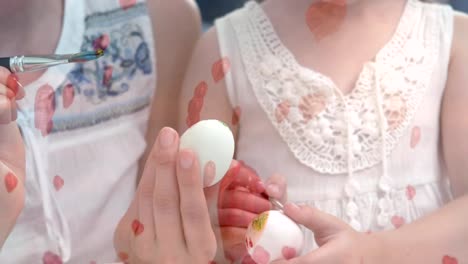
x=12 y=156
x=10 y=91
x=338 y=242
x=234 y=203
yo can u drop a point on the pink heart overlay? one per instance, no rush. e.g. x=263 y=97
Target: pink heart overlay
x=68 y=95
x=288 y=253
x=260 y=255
x=449 y=260
x=58 y=183
x=44 y=109
x=51 y=258
x=220 y=69
x=125 y=4
x=398 y=221
x=410 y=192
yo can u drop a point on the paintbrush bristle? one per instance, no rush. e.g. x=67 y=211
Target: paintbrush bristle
x=86 y=56
x=99 y=52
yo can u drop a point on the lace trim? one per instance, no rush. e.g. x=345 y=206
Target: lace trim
x=303 y=105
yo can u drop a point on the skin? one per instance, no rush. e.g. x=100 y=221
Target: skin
x=173 y=49
x=170 y=202
x=373 y=22
x=12 y=155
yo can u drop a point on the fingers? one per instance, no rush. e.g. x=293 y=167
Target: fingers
x=5 y=91
x=244 y=201
x=143 y=226
x=235 y=217
x=199 y=235
x=5 y=110
x=238 y=253
x=314 y=219
x=248 y=260
x=10 y=90
x=230 y=176
x=14 y=109
x=168 y=223
x=12 y=82
x=276 y=187
x=233 y=236
x=233 y=242
x=4 y=74
x=241 y=175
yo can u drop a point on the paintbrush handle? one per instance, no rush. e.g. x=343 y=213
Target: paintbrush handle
x=31 y=63
x=35 y=63
x=5 y=62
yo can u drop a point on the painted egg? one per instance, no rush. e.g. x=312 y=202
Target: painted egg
x=273 y=236
x=211 y=140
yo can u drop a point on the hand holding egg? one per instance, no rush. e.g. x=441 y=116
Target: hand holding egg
x=212 y=141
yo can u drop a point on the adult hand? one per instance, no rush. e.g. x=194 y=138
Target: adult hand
x=337 y=241
x=168 y=221
x=12 y=155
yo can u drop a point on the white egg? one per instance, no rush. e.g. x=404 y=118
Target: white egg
x=273 y=236
x=211 y=140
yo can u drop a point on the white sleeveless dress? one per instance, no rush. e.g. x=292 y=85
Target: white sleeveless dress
x=371 y=157
x=84 y=128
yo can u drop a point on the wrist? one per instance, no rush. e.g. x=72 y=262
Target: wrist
x=376 y=248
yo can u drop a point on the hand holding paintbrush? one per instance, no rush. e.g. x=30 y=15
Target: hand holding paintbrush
x=11 y=90
x=35 y=63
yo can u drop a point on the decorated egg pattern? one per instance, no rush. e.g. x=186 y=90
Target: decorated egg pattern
x=272 y=236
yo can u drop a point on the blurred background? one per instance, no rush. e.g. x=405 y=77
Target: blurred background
x=211 y=9
x=461 y=5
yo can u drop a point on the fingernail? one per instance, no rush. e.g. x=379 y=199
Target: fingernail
x=273 y=189
x=186 y=160
x=210 y=173
x=13 y=83
x=21 y=93
x=260 y=187
x=166 y=138
x=234 y=171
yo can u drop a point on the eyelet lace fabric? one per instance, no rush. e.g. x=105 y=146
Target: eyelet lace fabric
x=328 y=131
x=304 y=106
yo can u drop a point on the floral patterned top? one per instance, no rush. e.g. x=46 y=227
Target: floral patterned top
x=84 y=129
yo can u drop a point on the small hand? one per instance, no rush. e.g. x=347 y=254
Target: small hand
x=234 y=203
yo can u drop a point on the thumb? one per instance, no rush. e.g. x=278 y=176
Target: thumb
x=322 y=224
x=322 y=255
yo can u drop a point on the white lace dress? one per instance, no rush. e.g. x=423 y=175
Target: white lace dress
x=371 y=157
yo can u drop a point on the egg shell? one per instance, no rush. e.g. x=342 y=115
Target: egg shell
x=211 y=140
x=273 y=236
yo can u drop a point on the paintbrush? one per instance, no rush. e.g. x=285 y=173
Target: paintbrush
x=35 y=63
x=274 y=202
